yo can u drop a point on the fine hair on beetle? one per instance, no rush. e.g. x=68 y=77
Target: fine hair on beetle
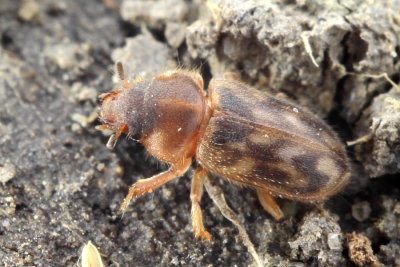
x=233 y=131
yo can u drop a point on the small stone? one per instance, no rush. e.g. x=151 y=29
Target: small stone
x=82 y=93
x=28 y=10
x=5 y=223
x=7 y=172
x=100 y=167
x=334 y=241
x=174 y=261
x=79 y=118
x=68 y=56
x=361 y=210
x=63 y=54
x=75 y=127
x=119 y=170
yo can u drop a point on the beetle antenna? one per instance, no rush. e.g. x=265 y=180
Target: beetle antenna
x=120 y=71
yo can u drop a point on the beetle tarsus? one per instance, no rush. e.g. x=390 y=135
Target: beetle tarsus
x=195 y=196
x=204 y=235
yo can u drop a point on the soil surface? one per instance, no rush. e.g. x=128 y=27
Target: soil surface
x=60 y=187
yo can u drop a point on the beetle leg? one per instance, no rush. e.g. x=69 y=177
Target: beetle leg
x=269 y=204
x=195 y=196
x=144 y=186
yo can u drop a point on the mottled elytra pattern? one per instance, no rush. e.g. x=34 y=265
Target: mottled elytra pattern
x=264 y=142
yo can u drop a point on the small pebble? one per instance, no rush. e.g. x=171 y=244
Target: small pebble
x=28 y=10
x=361 y=211
x=79 y=118
x=334 y=242
x=7 y=172
x=100 y=167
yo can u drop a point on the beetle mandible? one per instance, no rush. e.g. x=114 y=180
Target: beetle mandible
x=236 y=132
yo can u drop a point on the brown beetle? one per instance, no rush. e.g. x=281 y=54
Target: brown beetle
x=236 y=132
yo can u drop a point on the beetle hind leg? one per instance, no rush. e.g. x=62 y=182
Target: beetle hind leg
x=195 y=196
x=269 y=204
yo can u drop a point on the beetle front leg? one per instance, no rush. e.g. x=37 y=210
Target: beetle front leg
x=144 y=186
x=269 y=204
x=195 y=196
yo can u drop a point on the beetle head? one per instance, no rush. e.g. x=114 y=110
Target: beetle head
x=111 y=116
x=112 y=107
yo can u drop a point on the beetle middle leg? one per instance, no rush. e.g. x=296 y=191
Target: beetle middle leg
x=195 y=196
x=269 y=204
x=144 y=186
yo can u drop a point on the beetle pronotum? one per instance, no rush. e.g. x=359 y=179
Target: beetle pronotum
x=236 y=132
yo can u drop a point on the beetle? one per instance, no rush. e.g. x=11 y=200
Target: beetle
x=236 y=132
